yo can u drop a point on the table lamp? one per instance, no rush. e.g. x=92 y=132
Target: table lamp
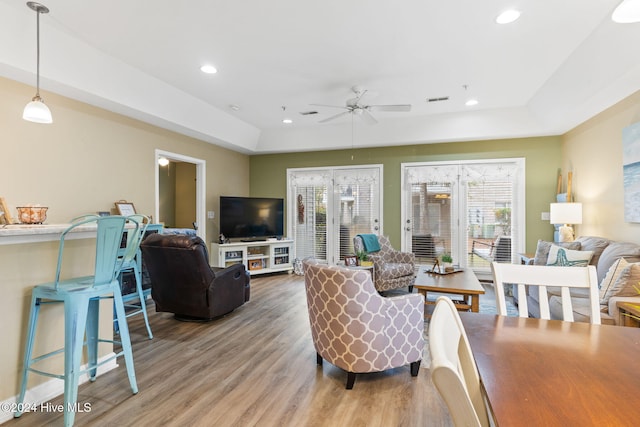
x=565 y=214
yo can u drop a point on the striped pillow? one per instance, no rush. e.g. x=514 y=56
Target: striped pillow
x=611 y=277
x=624 y=283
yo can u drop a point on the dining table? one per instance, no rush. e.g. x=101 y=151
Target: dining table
x=554 y=373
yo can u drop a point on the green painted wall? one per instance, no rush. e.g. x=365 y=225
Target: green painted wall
x=268 y=173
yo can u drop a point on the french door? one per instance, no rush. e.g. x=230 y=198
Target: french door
x=329 y=206
x=463 y=208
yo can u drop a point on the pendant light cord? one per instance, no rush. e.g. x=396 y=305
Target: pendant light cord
x=352 y=133
x=37 y=54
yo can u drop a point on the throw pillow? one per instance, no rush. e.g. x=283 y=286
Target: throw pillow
x=542 y=250
x=568 y=258
x=606 y=285
x=595 y=244
x=630 y=252
x=625 y=285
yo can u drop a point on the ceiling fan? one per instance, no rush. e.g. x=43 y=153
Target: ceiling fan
x=355 y=107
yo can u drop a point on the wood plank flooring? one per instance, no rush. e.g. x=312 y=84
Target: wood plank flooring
x=254 y=367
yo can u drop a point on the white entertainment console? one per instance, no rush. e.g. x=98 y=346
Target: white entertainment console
x=258 y=257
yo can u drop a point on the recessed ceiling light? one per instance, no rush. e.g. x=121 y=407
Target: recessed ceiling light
x=209 y=69
x=627 y=12
x=471 y=102
x=286 y=120
x=508 y=16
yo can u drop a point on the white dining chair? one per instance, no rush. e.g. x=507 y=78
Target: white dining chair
x=541 y=277
x=453 y=368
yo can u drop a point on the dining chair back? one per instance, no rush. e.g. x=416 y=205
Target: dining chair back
x=542 y=277
x=453 y=368
x=80 y=297
x=130 y=259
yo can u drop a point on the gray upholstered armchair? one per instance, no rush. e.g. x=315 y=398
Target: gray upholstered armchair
x=392 y=269
x=355 y=328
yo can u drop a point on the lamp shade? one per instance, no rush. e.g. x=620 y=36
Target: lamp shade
x=36 y=111
x=565 y=213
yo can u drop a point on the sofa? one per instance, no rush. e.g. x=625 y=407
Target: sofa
x=618 y=277
x=183 y=283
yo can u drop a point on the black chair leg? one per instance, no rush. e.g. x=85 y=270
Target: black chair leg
x=351 y=378
x=415 y=367
x=410 y=288
x=318 y=359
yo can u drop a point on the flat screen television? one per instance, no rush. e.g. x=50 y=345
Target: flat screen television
x=251 y=218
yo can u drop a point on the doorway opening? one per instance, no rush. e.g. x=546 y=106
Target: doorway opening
x=187 y=195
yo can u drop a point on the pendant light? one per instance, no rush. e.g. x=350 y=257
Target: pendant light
x=36 y=110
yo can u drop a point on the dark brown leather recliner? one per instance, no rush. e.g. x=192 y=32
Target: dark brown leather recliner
x=183 y=283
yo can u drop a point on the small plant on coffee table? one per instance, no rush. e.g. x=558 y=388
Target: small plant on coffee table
x=363 y=258
x=446 y=260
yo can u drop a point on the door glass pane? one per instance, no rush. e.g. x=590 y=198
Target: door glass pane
x=311 y=222
x=331 y=206
x=356 y=214
x=357 y=196
x=431 y=220
x=430 y=215
x=489 y=224
x=463 y=208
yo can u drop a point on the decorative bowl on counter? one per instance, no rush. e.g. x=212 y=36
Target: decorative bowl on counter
x=32 y=214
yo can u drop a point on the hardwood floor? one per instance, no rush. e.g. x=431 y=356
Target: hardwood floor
x=256 y=366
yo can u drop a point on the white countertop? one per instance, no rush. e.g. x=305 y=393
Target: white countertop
x=28 y=233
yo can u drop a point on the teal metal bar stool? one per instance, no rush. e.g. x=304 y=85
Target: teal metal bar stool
x=131 y=260
x=81 y=298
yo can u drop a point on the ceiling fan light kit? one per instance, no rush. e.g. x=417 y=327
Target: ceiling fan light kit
x=285 y=119
x=355 y=107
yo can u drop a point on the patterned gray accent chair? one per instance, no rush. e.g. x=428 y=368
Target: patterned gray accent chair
x=355 y=328
x=392 y=269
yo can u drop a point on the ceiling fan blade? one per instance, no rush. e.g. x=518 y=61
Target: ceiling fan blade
x=334 y=117
x=330 y=106
x=393 y=108
x=368 y=117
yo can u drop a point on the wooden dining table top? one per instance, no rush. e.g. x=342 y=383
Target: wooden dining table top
x=553 y=373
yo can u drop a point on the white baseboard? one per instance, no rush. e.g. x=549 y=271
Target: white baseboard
x=46 y=391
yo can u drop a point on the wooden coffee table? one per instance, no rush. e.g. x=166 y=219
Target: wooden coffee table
x=463 y=283
x=629 y=314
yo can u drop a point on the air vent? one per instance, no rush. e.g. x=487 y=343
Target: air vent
x=441 y=98
x=308 y=113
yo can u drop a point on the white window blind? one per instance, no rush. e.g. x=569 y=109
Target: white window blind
x=308 y=218
x=449 y=205
x=332 y=206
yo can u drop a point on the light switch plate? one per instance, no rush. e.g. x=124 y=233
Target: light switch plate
x=544 y=216
x=211 y=214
